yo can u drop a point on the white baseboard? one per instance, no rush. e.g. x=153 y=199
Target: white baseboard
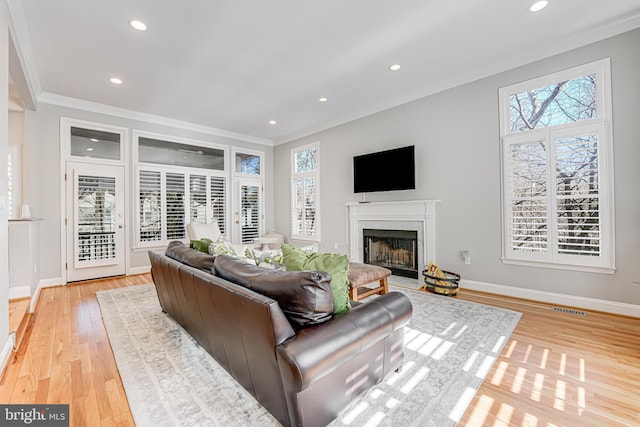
x=5 y=355
x=46 y=283
x=586 y=303
x=17 y=292
x=53 y=281
x=139 y=270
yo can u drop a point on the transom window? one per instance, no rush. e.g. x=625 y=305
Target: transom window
x=557 y=176
x=305 y=201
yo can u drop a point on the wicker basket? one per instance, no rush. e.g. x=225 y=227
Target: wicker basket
x=447 y=285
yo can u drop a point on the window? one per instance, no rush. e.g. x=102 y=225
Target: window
x=95 y=144
x=177 y=183
x=305 y=201
x=13 y=181
x=248 y=163
x=556 y=170
x=168 y=199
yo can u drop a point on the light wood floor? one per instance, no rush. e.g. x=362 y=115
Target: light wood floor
x=557 y=369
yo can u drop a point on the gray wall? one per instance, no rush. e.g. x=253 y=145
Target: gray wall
x=41 y=176
x=4 y=225
x=457 y=142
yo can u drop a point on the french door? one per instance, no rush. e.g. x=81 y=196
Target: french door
x=95 y=221
x=248 y=216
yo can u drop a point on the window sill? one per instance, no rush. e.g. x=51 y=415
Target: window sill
x=581 y=268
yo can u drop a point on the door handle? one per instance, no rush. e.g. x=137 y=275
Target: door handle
x=120 y=226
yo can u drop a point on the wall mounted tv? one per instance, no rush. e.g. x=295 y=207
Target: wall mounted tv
x=388 y=170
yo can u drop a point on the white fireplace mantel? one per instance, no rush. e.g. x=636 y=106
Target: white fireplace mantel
x=419 y=215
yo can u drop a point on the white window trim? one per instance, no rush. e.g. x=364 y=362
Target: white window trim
x=65 y=138
x=65 y=156
x=316 y=175
x=606 y=262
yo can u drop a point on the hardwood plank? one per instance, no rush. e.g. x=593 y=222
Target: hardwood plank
x=560 y=369
x=556 y=368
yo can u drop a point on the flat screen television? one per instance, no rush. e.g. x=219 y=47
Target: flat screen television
x=387 y=170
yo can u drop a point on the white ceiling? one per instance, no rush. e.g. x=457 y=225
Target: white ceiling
x=236 y=64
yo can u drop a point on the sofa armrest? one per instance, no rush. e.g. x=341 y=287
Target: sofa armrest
x=316 y=351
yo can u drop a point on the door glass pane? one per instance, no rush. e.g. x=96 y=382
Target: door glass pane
x=249 y=213
x=173 y=153
x=95 y=144
x=96 y=217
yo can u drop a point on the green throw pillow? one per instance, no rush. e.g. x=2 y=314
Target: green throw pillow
x=336 y=265
x=201 y=245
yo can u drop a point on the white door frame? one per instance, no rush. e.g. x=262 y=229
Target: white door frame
x=95 y=267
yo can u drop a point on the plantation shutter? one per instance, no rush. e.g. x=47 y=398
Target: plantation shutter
x=95 y=217
x=198 y=198
x=526 y=165
x=578 y=194
x=304 y=206
x=554 y=196
x=249 y=213
x=218 y=202
x=150 y=207
x=175 y=205
x=10 y=185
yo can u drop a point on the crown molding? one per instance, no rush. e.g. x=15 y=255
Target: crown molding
x=23 y=52
x=94 y=107
x=592 y=35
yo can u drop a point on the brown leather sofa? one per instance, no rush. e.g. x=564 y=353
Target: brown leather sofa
x=276 y=334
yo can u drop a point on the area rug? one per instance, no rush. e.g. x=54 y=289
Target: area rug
x=450 y=346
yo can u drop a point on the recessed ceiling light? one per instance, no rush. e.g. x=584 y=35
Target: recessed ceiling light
x=394 y=67
x=93 y=140
x=323 y=99
x=138 y=25
x=539 y=5
x=115 y=81
x=272 y=122
x=89 y=149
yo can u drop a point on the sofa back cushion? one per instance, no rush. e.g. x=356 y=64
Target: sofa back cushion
x=304 y=297
x=337 y=265
x=191 y=257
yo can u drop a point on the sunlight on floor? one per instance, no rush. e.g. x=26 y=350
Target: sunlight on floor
x=559 y=371
x=462 y=404
x=429 y=345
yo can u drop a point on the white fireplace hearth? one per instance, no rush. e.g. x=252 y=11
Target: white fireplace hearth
x=414 y=215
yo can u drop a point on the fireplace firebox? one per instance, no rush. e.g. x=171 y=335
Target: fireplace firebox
x=396 y=250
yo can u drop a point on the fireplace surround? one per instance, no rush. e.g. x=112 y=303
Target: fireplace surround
x=411 y=215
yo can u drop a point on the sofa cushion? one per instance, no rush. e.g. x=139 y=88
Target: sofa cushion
x=192 y=257
x=337 y=265
x=223 y=246
x=304 y=297
x=201 y=245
